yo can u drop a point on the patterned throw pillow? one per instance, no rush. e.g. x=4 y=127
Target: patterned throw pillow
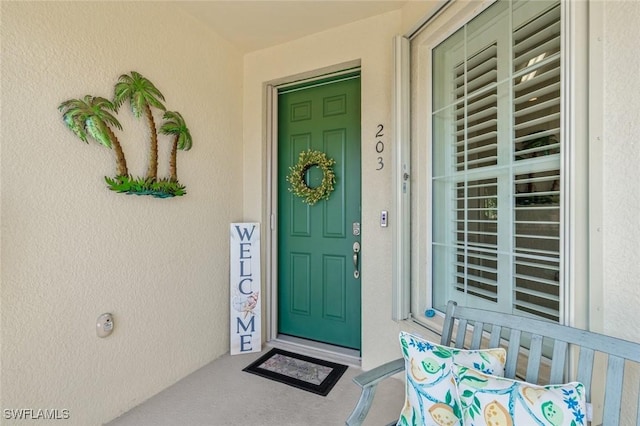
x=431 y=397
x=496 y=401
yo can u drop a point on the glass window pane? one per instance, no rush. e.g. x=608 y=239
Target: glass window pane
x=496 y=161
x=447 y=57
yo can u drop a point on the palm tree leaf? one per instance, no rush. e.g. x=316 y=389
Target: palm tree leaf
x=175 y=125
x=184 y=140
x=121 y=93
x=70 y=105
x=110 y=119
x=102 y=103
x=169 y=129
x=97 y=129
x=76 y=126
x=88 y=102
x=90 y=116
x=139 y=91
x=123 y=90
x=101 y=108
x=147 y=85
x=74 y=114
x=171 y=125
x=97 y=105
x=172 y=115
x=151 y=100
x=137 y=103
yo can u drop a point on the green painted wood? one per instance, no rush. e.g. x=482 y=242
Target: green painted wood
x=318 y=296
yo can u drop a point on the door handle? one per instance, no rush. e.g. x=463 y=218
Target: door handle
x=356 y=252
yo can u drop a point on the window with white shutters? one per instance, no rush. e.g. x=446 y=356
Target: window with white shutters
x=496 y=161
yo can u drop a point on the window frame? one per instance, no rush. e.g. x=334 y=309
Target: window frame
x=574 y=161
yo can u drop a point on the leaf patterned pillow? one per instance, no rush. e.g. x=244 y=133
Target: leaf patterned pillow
x=496 y=401
x=431 y=397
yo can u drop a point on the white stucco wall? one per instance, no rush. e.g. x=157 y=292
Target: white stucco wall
x=620 y=190
x=71 y=249
x=621 y=193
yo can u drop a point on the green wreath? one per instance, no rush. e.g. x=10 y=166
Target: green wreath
x=299 y=187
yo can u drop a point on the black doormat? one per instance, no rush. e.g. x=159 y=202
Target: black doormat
x=303 y=372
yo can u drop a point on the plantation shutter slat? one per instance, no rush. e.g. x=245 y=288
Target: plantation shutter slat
x=500 y=175
x=482 y=125
x=537 y=130
x=543 y=133
x=541 y=92
x=537 y=107
x=544 y=72
x=536 y=123
x=480 y=116
x=529 y=42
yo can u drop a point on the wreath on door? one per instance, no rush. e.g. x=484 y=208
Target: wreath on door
x=297 y=174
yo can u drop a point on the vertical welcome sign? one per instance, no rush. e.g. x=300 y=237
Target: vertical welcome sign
x=244 y=256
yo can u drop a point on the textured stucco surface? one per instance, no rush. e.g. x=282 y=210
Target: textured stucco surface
x=621 y=142
x=71 y=249
x=621 y=193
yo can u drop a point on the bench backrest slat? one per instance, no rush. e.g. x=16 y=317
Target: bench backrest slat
x=533 y=359
x=462 y=330
x=613 y=390
x=531 y=337
x=513 y=350
x=476 y=338
x=496 y=335
x=559 y=361
x=585 y=369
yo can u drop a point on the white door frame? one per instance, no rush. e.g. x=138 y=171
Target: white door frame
x=270 y=90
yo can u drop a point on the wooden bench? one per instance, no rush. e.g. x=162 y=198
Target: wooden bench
x=533 y=347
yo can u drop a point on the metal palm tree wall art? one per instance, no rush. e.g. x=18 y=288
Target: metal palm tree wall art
x=92 y=117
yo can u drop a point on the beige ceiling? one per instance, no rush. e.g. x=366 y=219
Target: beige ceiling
x=253 y=25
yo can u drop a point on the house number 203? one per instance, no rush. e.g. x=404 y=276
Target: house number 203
x=379 y=146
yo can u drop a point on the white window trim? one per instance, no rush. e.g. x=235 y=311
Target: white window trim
x=577 y=162
x=401 y=182
x=595 y=34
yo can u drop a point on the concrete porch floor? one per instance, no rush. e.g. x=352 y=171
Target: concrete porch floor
x=220 y=393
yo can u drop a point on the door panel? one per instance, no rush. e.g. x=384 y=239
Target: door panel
x=318 y=296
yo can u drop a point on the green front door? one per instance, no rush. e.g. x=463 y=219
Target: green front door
x=318 y=288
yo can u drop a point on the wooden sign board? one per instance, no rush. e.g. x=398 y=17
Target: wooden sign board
x=244 y=257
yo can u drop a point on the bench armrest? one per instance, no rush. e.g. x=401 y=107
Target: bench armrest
x=368 y=381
